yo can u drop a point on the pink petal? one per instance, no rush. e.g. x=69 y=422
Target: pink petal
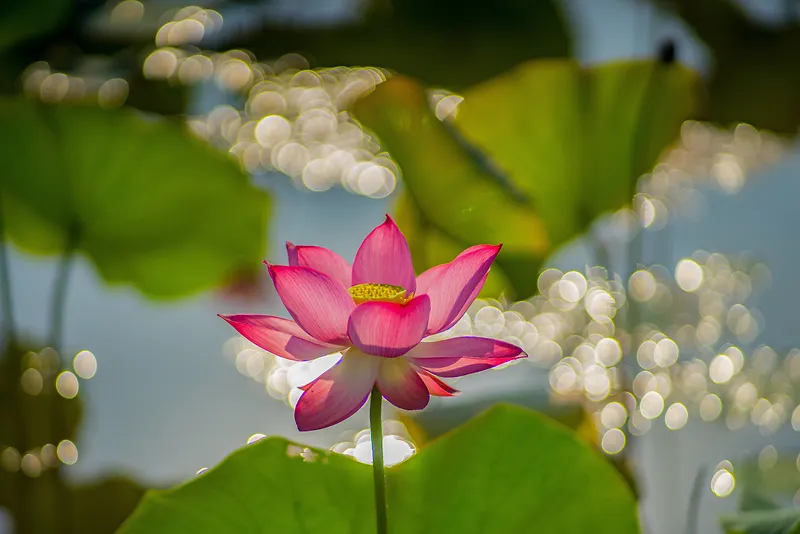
x=426 y=280
x=454 y=288
x=279 y=336
x=435 y=386
x=429 y=278
x=400 y=384
x=467 y=303
x=463 y=355
x=323 y=260
x=317 y=302
x=338 y=393
x=384 y=258
x=389 y=329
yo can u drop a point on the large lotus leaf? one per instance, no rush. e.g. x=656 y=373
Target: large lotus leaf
x=507 y=471
x=570 y=142
x=441 y=418
x=147 y=203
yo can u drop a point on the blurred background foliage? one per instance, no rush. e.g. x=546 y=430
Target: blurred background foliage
x=41 y=415
x=546 y=125
x=101 y=158
x=754 y=79
x=133 y=195
x=429 y=41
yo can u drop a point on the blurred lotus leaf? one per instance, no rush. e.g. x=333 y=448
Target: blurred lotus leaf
x=755 y=77
x=101 y=507
x=450 y=199
x=760 y=490
x=445 y=43
x=507 y=471
x=23 y=20
x=156 y=96
x=784 y=521
x=570 y=142
x=150 y=205
x=34 y=420
x=760 y=485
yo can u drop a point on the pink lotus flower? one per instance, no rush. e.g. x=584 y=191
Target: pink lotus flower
x=376 y=313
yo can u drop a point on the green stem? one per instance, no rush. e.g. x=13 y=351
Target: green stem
x=57 y=315
x=60 y=286
x=694 y=501
x=22 y=484
x=376 y=435
x=6 y=299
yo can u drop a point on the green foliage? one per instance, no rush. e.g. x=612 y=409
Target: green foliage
x=28 y=421
x=785 y=521
x=452 y=201
x=760 y=486
x=509 y=470
x=32 y=419
x=444 y=43
x=755 y=78
x=25 y=19
x=571 y=141
x=157 y=96
x=102 y=506
x=575 y=140
x=266 y=487
x=147 y=203
x=759 y=513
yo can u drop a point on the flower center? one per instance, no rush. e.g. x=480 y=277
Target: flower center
x=362 y=293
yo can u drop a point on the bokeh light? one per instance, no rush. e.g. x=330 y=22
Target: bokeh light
x=723 y=483
x=397 y=445
x=67 y=385
x=67 y=452
x=85 y=364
